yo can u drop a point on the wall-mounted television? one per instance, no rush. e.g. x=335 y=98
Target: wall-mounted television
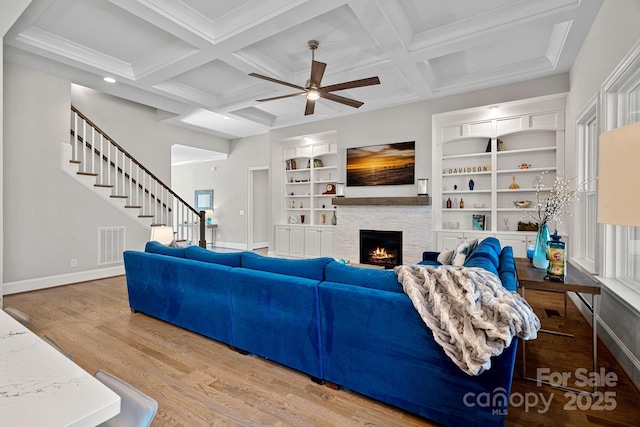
x=385 y=164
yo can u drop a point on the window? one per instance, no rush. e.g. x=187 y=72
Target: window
x=621 y=106
x=587 y=161
x=629 y=270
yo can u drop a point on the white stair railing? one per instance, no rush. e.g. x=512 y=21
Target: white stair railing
x=100 y=156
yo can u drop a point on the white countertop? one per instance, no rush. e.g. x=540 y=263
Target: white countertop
x=41 y=387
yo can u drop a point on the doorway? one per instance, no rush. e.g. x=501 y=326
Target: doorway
x=258 y=208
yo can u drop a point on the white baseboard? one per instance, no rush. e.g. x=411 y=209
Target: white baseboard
x=260 y=245
x=230 y=245
x=62 y=279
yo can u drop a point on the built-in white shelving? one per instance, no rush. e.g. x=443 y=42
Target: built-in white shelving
x=502 y=150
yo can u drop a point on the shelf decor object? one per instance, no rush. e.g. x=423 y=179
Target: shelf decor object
x=550 y=209
x=618 y=176
x=556 y=251
x=540 y=252
x=522 y=204
x=423 y=184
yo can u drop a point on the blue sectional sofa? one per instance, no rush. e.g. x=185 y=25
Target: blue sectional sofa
x=351 y=327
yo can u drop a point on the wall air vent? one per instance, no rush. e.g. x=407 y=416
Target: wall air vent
x=110 y=245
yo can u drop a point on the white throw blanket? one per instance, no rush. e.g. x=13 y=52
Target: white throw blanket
x=472 y=316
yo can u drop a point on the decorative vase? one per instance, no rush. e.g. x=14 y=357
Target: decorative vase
x=540 y=251
x=334 y=219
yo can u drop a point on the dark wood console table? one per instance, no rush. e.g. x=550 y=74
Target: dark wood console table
x=576 y=281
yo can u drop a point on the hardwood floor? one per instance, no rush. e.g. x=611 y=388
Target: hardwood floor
x=200 y=382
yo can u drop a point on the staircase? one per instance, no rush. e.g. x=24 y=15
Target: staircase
x=99 y=163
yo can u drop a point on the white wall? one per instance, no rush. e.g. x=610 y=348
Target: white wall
x=613 y=34
x=228 y=179
x=2 y=168
x=49 y=218
x=9 y=13
x=410 y=122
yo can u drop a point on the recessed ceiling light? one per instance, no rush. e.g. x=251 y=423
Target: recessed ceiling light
x=225 y=117
x=109 y=80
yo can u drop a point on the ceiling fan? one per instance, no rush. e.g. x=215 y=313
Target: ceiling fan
x=313 y=90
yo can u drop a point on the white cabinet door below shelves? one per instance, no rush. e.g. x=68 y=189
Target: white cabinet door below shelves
x=449 y=241
x=312 y=242
x=326 y=242
x=296 y=242
x=282 y=240
x=518 y=243
x=318 y=242
x=289 y=241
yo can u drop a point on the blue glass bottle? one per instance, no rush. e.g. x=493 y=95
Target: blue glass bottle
x=540 y=252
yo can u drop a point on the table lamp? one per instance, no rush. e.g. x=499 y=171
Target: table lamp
x=619 y=176
x=161 y=234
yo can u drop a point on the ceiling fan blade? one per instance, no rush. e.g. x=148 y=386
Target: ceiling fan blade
x=342 y=100
x=352 y=84
x=271 y=79
x=311 y=105
x=317 y=71
x=280 y=97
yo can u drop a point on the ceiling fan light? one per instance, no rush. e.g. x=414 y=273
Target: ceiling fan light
x=313 y=94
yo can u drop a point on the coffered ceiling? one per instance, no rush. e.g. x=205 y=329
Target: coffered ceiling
x=191 y=58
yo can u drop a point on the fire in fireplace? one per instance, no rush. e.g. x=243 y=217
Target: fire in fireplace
x=382 y=248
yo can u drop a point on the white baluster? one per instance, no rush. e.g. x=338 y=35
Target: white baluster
x=92 y=156
x=135 y=179
x=100 y=160
x=83 y=145
x=109 y=168
x=74 y=145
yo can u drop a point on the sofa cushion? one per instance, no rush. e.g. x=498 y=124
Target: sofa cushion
x=178 y=244
x=312 y=268
x=384 y=280
x=445 y=257
x=232 y=259
x=485 y=255
x=507 y=269
x=461 y=253
x=158 y=248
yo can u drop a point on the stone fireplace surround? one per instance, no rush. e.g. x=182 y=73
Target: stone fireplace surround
x=390 y=214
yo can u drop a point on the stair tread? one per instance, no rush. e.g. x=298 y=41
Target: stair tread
x=133 y=207
x=117 y=196
x=146 y=216
x=87 y=173
x=77 y=162
x=158 y=225
x=103 y=185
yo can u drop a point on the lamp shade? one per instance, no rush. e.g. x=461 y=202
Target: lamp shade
x=162 y=234
x=619 y=176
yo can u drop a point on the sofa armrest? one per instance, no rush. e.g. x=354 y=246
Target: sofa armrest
x=430 y=256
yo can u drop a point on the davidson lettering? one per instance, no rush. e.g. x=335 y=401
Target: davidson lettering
x=468 y=169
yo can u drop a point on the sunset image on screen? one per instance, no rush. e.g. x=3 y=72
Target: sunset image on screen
x=387 y=164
